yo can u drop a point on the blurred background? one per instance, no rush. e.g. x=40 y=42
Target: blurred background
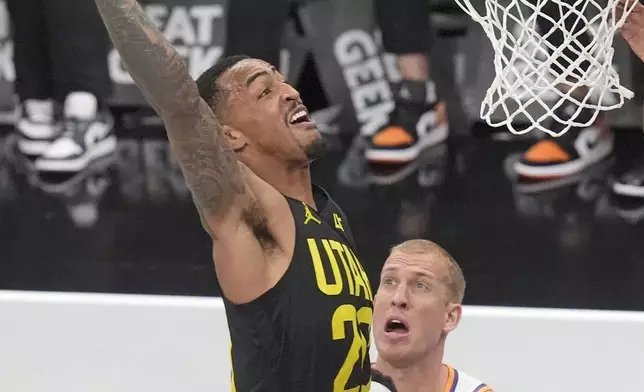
x=91 y=199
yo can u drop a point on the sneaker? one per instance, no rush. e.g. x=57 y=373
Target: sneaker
x=419 y=121
x=36 y=126
x=570 y=153
x=86 y=136
x=82 y=193
x=428 y=170
x=631 y=184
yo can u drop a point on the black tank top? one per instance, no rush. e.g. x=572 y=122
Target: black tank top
x=310 y=332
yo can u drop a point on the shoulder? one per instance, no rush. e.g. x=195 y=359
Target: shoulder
x=463 y=382
x=340 y=220
x=320 y=190
x=380 y=382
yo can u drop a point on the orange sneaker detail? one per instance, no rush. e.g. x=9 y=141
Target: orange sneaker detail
x=546 y=151
x=393 y=136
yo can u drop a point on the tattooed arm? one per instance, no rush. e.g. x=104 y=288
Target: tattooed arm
x=244 y=214
x=208 y=163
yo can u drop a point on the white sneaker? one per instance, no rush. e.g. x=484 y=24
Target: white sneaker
x=86 y=136
x=36 y=126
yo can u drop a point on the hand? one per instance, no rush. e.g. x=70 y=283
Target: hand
x=633 y=28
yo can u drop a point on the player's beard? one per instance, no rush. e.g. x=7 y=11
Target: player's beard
x=317 y=149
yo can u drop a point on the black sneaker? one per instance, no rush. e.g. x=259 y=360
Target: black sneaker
x=36 y=127
x=571 y=153
x=419 y=121
x=84 y=139
x=82 y=193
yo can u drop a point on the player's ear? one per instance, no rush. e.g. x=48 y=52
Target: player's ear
x=452 y=317
x=236 y=138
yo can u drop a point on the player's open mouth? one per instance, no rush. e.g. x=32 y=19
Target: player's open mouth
x=396 y=326
x=299 y=116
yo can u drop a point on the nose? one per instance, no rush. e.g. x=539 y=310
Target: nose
x=399 y=299
x=289 y=93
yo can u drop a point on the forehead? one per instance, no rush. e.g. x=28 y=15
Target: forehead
x=400 y=262
x=239 y=74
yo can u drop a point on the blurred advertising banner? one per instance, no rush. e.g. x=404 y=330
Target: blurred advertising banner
x=346 y=45
x=197 y=29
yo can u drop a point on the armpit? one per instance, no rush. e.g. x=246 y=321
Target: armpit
x=255 y=218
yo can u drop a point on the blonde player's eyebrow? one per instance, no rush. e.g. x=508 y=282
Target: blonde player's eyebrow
x=423 y=273
x=416 y=274
x=390 y=268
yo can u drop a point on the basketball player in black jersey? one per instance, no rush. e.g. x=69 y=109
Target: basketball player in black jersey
x=298 y=301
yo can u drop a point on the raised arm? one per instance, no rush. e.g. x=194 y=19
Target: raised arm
x=208 y=163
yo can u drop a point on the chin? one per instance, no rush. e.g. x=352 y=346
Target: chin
x=317 y=148
x=396 y=356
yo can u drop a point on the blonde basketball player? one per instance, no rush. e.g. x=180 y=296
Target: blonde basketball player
x=417 y=305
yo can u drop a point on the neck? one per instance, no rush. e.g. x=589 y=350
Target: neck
x=428 y=374
x=291 y=181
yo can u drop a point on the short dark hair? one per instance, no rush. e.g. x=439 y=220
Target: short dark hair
x=207 y=82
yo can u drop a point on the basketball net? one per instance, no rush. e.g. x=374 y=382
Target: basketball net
x=529 y=70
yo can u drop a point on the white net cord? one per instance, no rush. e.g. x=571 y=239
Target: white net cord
x=530 y=70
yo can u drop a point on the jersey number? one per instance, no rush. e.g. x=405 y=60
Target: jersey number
x=359 y=345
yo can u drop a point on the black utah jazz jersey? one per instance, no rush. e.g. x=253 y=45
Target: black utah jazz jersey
x=310 y=332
